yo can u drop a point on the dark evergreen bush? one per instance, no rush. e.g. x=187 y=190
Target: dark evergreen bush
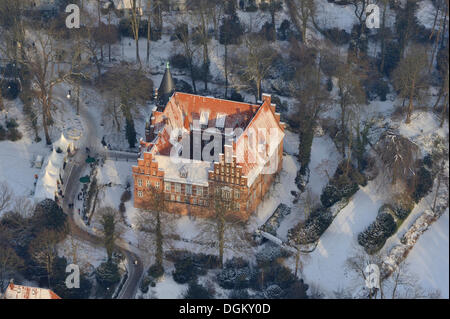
x=424 y=183
x=197 y=291
x=156 y=271
x=107 y=274
x=374 y=237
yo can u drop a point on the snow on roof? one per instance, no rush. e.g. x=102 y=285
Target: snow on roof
x=197 y=171
x=46 y=186
x=220 y=120
x=265 y=131
x=62 y=143
x=24 y=292
x=204 y=115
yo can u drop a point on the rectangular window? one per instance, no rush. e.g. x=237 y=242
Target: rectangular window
x=177 y=188
x=154 y=173
x=140 y=194
x=140 y=182
x=147 y=183
x=172 y=197
x=238 y=206
x=194 y=201
x=157 y=185
x=199 y=191
x=188 y=189
x=168 y=187
x=237 y=194
x=178 y=198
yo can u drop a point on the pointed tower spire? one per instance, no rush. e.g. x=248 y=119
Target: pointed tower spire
x=166 y=88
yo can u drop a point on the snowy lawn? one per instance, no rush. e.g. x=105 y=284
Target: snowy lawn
x=429 y=259
x=325 y=266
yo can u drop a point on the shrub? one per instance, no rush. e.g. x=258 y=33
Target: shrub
x=156 y=271
x=270 y=253
x=311 y=230
x=14 y=134
x=344 y=184
x=337 y=36
x=107 y=274
x=126 y=196
x=374 y=237
x=185 y=270
x=376 y=86
x=274 y=274
x=403 y=205
x=179 y=61
x=122 y=208
x=273 y=292
x=239 y=294
x=235 y=96
x=196 y=291
x=284 y=31
x=144 y=284
x=2 y=133
x=236 y=274
x=424 y=183
x=11 y=123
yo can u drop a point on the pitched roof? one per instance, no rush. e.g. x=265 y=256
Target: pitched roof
x=167 y=87
x=24 y=292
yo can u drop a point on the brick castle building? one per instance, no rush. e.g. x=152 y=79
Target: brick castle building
x=198 y=146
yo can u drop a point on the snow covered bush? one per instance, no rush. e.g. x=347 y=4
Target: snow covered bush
x=402 y=206
x=236 y=274
x=155 y=271
x=311 y=230
x=270 y=253
x=374 y=237
x=272 y=224
x=273 y=292
x=344 y=184
x=337 y=36
x=273 y=274
x=185 y=270
x=197 y=291
x=239 y=294
x=107 y=274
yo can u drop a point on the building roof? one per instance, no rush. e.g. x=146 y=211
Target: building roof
x=24 y=292
x=167 y=87
x=259 y=124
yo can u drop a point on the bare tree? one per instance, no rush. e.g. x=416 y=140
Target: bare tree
x=351 y=96
x=185 y=37
x=43 y=250
x=222 y=231
x=153 y=220
x=135 y=23
x=6 y=197
x=312 y=99
x=254 y=63
x=201 y=18
x=303 y=13
x=410 y=77
x=9 y=262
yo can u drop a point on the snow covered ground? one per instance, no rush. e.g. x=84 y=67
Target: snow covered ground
x=325 y=266
x=429 y=259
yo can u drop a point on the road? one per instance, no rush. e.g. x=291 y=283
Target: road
x=73 y=171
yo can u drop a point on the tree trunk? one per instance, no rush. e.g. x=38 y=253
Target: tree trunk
x=149 y=30
x=383 y=37
x=226 y=70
